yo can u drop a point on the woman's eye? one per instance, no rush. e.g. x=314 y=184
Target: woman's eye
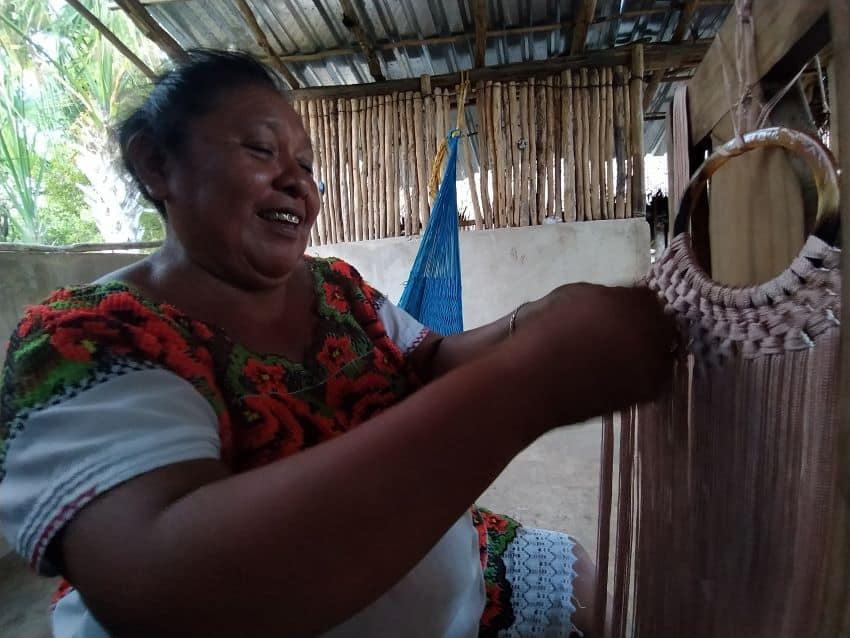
x=308 y=168
x=259 y=148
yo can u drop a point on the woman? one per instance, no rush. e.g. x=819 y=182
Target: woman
x=173 y=432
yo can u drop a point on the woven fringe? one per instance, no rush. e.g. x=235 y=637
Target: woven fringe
x=726 y=481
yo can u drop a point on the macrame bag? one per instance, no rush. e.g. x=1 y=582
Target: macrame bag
x=726 y=482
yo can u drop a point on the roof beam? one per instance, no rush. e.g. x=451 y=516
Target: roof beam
x=586 y=13
x=790 y=28
x=364 y=40
x=685 y=18
x=482 y=18
x=113 y=39
x=264 y=43
x=656 y=56
x=150 y=27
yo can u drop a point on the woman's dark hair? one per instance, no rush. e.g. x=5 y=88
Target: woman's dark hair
x=184 y=92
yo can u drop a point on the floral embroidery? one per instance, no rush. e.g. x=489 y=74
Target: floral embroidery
x=266 y=378
x=267 y=408
x=335 y=297
x=336 y=353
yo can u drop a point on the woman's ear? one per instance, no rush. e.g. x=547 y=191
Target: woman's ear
x=149 y=165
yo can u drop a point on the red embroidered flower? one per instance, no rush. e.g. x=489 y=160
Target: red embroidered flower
x=495 y=522
x=356 y=400
x=270 y=419
x=345 y=270
x=266 y=378
x=335 y=297
x=336 y=353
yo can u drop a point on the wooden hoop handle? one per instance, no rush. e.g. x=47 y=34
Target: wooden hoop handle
x=819 y=159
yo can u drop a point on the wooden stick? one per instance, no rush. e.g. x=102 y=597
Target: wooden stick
x=595 y=193
x=383 y=152
x=363 y=182
x=326 y=163
x=394 y=170
x=531 y=152
x=314 y=109
x=609 y=145
x=354 y=169
x=637 y=89
x=113 y=39
x=514 y=170
x=347 y=168
x=627 y=103
x=429 y=129
x=579 y=140
x=421 y=155
x=835 y=618
x=482 y=100
x=304 y=112
x=403 y=163
x=412 y=158
x=557 y=145
x=372 y=154
x=585 y=149
x=551 y=138
x=342 y=221
x=331 y=216
x=569 y=148
x=525 y=175
x=497 y=154
x=602 y=117
x=620 y=133
x=342 y=168
x=540 y=158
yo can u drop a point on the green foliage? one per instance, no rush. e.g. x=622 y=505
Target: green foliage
x=65 y=215
x=61 y=85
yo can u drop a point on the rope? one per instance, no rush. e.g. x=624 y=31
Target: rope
x=442 y=151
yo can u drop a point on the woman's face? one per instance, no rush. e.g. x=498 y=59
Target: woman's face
x=240 y=195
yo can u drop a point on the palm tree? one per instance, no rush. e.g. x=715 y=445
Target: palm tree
x=82 y=83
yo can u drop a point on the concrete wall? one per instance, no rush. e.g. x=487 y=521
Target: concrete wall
x=27 y=278
x=502 y=268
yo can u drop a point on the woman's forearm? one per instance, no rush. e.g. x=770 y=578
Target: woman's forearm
x=304 y=543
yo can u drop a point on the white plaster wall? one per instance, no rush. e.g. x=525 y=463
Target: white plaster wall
x=502 y=268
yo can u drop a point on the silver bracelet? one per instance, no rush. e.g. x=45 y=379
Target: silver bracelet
x=512 y=322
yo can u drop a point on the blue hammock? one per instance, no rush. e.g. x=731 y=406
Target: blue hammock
x=432 y=292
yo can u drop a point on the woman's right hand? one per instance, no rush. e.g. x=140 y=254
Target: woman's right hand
x=595 y=349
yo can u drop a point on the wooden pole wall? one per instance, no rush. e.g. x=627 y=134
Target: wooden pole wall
x=566 y=147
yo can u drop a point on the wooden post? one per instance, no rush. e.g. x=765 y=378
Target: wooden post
x=578 y=152
x=636 y=94
x=525 y=174
x=586 y=114
x=557 y=145
x=411 y=226
x=609 y=142
x=422 y=161
x=551 y=139
x=533 y=185
x=595 y=136
x=569 y=146
x=499 y=155
x=835 y=620
x=620 y=133
x=516 y=154
x=627 y=103
x=482 y=102
x=540 y=143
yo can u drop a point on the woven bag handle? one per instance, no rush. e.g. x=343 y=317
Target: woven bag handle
x=819 y=159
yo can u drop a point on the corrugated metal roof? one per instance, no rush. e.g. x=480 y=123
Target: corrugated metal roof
x=307 y=27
